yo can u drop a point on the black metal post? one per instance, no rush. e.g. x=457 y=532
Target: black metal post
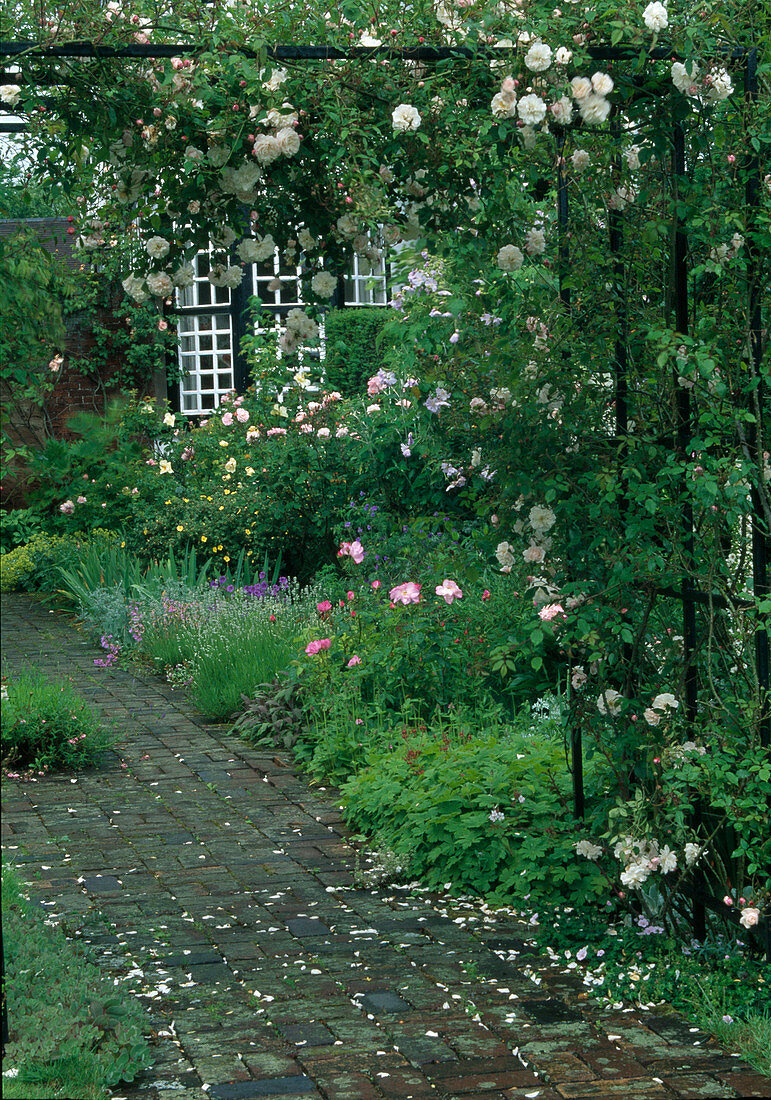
x=684 y=431
x=761 y=550
x=563 y=225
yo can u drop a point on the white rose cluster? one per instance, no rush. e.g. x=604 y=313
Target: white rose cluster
x=10 y=94
x=256 y=250
x=510 y=258
x=282 y=140
x=642 y=857
x=224 y=275
x=710 y=88
x=299 y=328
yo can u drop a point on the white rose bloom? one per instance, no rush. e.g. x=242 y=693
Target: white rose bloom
x=157 y=248
x=531 y=109
x=405 y=118
x=299 y=322
x=562 y=111
x=594 y=109
x=750 y=916
x=266 y=246
x=684 y=81
x=347 y=225
x=193 y=153
x=610 y=702
x=324 y=284
x=535 y=242
x=265 y=149
x=159 y=284
x=306 y=240
x=245 y=177
x=10 y=94
x=651 y=716
x=288 y=141
x=692 y=853
x=222 y=236
x=249 y=250
x=580 y=160
x=632 y=157
x=276 y=79
x=135 y=288
x=218 y=155
x=503 y=105
x=719 y=86
x=635 y=875
x=602 y=84
x=588 y=850
x=538 y=57
x=361 y=244
x=655 y=17
x=664 y=701
x=541 y=519
x=667 y=860
x=580 y=87
x=737 y=242
x=509 y=258
x=279 y=119
x=563 y=56
x=184 y=275
x=227 y=276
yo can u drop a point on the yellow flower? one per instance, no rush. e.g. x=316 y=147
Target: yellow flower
x=230 y=465
x=249 y=471
x=221 y=508
x=223 y=443
x=204 y=538
x=123 y=544
x=247 y=531
x=180 y=527
x=226 y=557
x=165 y=467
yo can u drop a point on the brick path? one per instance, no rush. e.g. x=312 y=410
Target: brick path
x=225 y=884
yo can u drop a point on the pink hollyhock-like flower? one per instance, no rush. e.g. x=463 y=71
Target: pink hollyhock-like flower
x=353 y=661
x=227 y=419
x=350 y=595
x=68 y=507
x=325 y=605
x=357 y=552
x=551 y=611
x=449 y=591
x=345 y=550
x=242 y=415
x=406 y=593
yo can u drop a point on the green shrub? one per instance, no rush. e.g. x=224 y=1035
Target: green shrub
x=488 y=813
x=17 y=527
x=15 y=568
x=70 y=1035
x=47 y=726
x=352 y=348
x=36 y=565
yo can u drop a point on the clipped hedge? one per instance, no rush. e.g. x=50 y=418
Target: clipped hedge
x=353 y=354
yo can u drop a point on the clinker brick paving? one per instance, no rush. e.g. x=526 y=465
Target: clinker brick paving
x=216 y=884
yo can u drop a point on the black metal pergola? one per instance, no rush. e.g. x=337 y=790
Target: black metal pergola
x=690 y=597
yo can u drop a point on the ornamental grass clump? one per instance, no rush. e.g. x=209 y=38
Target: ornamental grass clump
x=46 y=726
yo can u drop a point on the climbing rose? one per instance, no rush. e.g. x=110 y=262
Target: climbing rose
x=750 y=917
x=610 y=702
x=538 y=57
x=655 y=17
x=405 y=118
x=68 y=507
x=509 y=258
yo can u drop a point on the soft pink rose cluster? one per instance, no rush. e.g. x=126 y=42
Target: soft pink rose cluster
x=317 y=645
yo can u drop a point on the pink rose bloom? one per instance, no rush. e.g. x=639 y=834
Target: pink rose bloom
x=486 y=594
x=350 y=595
x=68 y=507
x=345 y=549
x=449 y=591
x=242 y=415
x=227 y=419
x=750 y=917
x=323 y=433
x=324 y=643
x=551 y=611
x=534 y=553
x=376 y=585
x=406 y=593
x=325 y=605
x=353 y=661
x=312 y=648
x=373 y=386
x=81 y=500
x=357 y=552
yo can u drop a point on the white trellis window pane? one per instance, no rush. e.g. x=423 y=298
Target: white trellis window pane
x=367 y=283
x=206 y=357
x=201 y=292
